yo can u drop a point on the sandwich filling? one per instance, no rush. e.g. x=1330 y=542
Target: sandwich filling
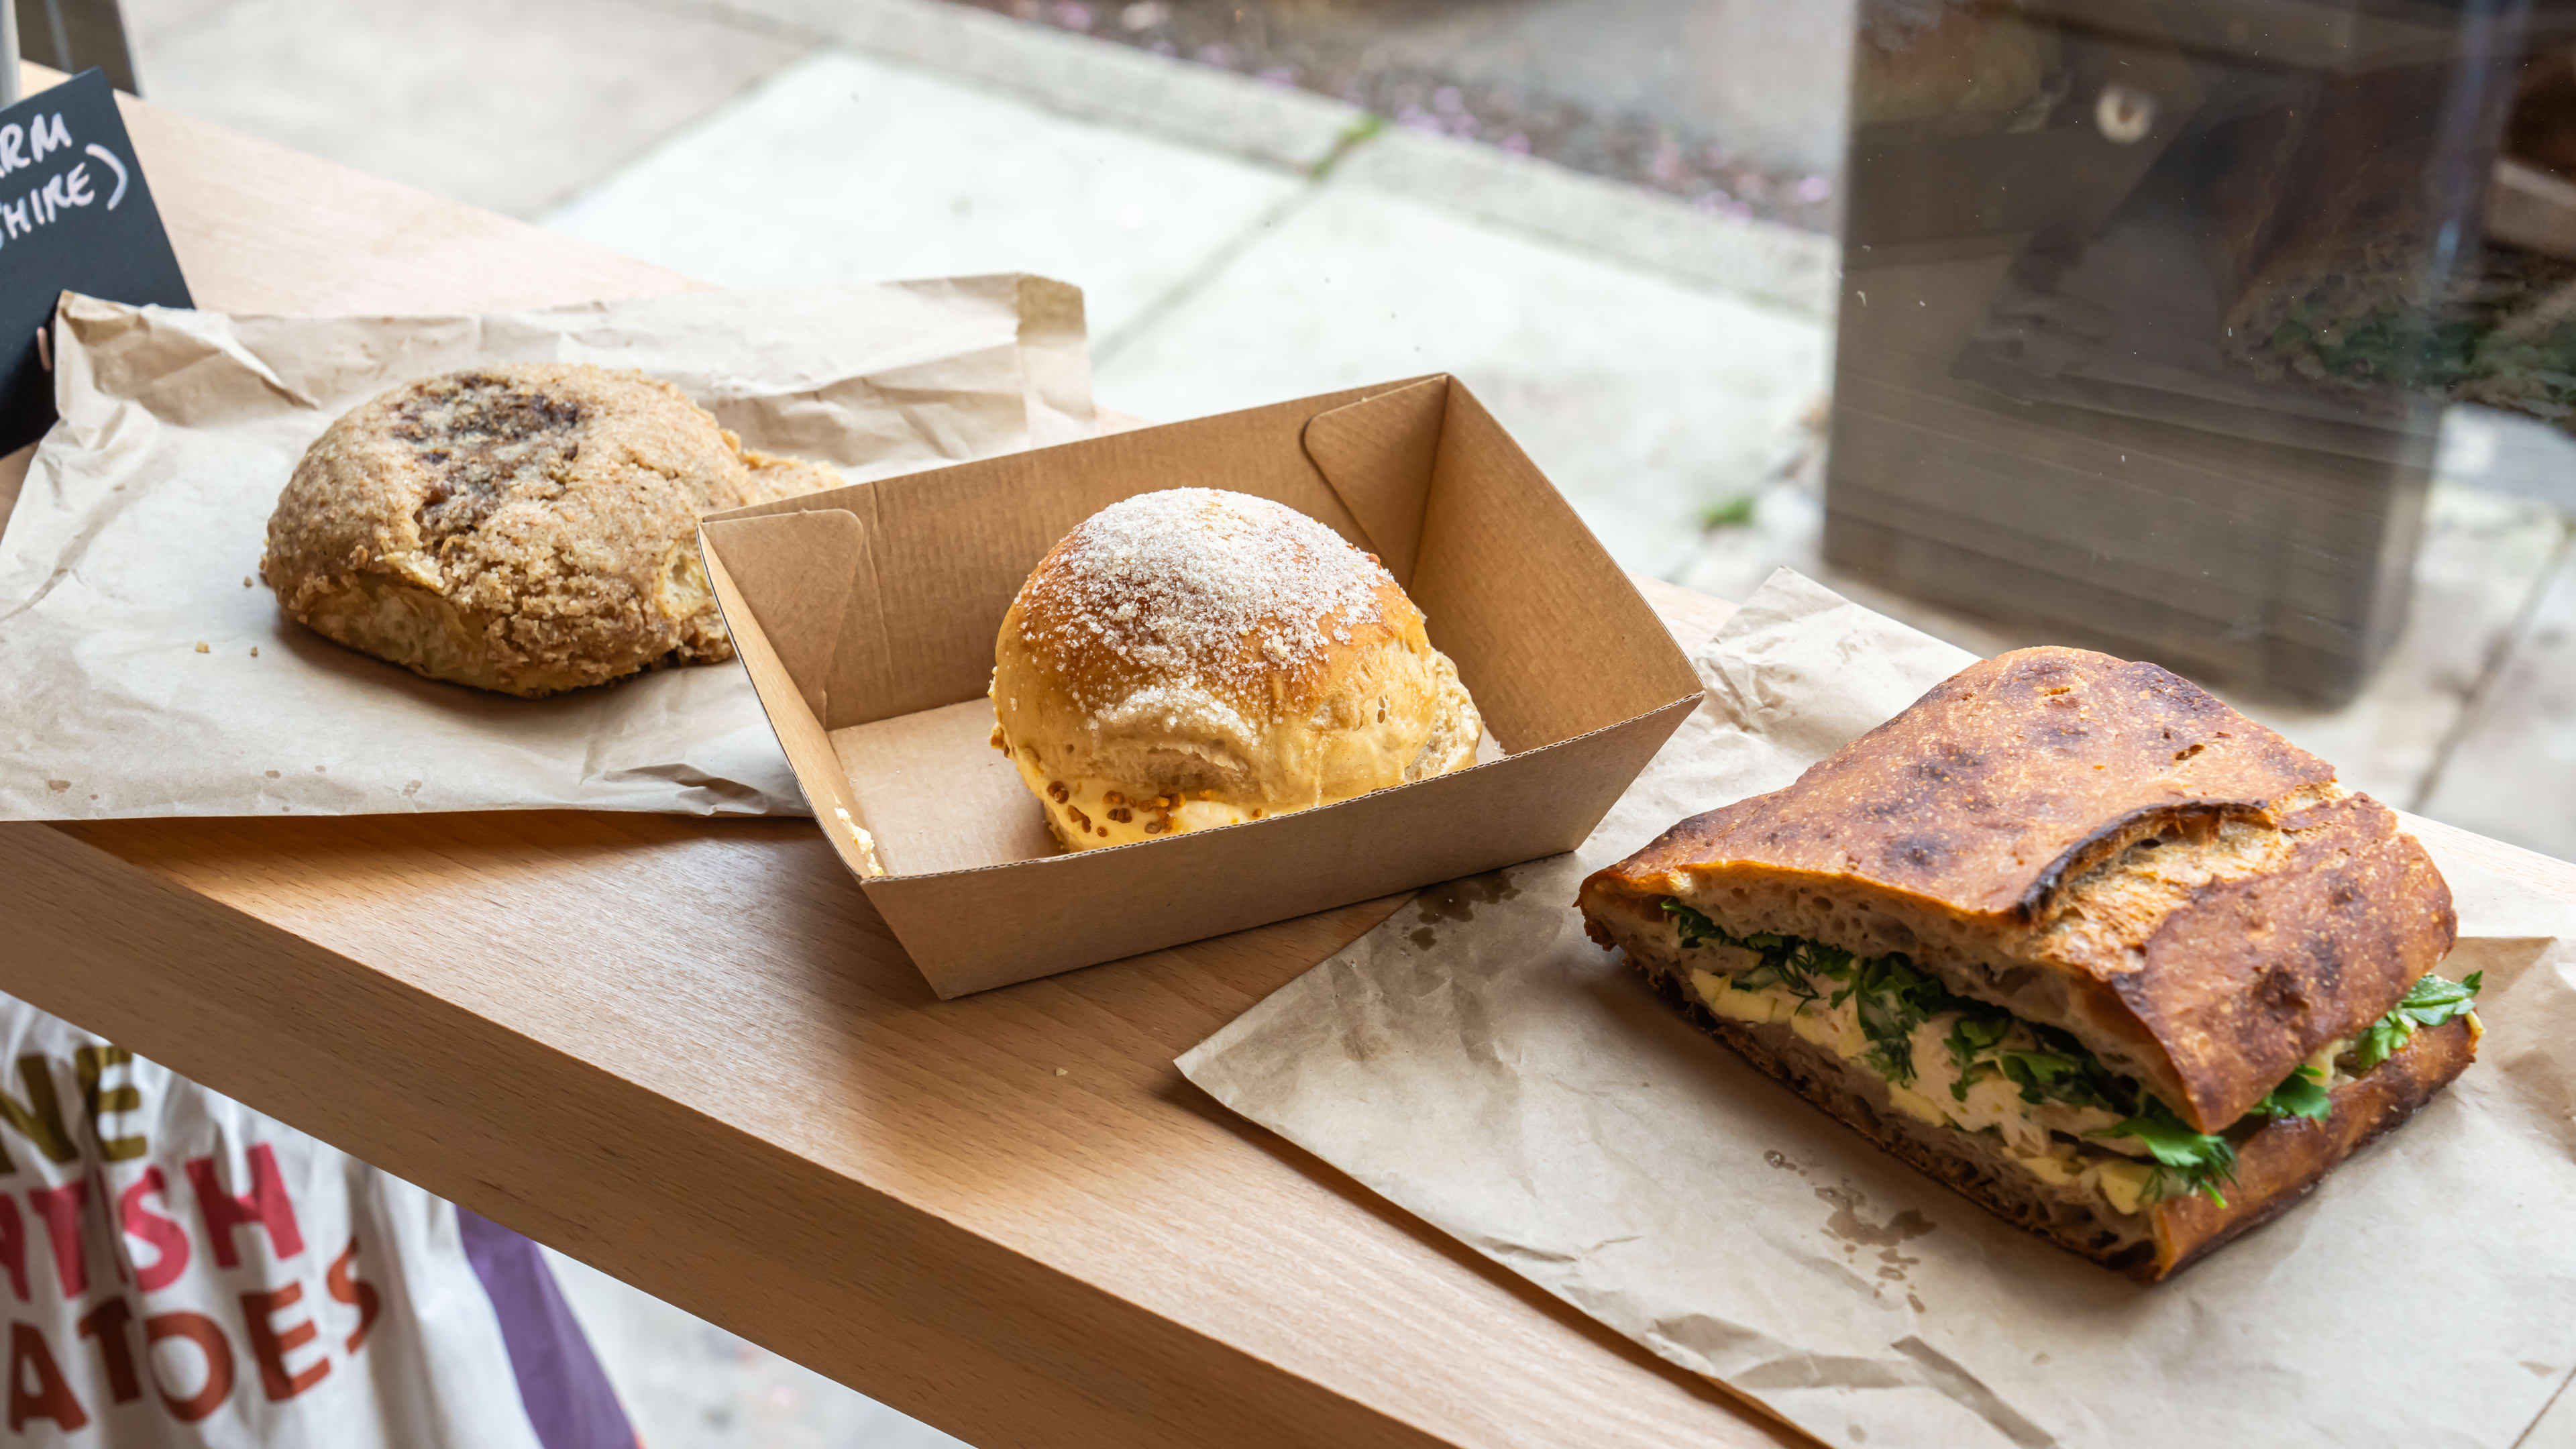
x=2053 y=1107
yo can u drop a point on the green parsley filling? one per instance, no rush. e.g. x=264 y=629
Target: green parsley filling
x=1892 y=998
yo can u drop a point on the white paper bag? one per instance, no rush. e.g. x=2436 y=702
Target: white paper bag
x=181 y=1270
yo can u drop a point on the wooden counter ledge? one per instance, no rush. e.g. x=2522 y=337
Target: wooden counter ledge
x=687 y=1051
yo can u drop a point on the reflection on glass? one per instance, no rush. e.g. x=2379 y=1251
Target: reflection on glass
x=2151 y=311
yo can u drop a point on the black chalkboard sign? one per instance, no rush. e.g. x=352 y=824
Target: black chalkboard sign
x=75 y=216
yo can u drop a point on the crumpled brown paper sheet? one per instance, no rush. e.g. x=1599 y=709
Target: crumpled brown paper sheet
x=146 y=507
x=1478 y=1061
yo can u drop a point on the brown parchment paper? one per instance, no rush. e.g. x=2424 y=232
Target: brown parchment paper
x=146 y=507
x=1478 y=1061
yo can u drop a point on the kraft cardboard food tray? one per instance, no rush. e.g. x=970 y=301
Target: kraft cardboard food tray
x=866 y=616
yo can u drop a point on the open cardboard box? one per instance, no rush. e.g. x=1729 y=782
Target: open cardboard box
x=866 y=616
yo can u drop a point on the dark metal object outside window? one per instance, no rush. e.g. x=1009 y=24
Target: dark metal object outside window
x=74 y=35
x=2152 y=309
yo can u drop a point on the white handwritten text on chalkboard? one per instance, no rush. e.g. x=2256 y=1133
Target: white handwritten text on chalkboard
x=76 y=215
x=23 y=149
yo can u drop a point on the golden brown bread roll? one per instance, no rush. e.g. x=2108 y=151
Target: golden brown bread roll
x=1195 y=658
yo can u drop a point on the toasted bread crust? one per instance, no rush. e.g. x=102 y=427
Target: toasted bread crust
x=2247 y=976
x=2006 y=779
x=2093 y=843
x=2285 y=1160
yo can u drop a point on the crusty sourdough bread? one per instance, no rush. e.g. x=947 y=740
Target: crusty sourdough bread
x=2092 y=844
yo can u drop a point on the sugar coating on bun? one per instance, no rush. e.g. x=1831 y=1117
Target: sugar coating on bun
x=1223 y=590
x=1196 y=657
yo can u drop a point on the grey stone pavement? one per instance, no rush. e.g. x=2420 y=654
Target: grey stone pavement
x=1241 y=242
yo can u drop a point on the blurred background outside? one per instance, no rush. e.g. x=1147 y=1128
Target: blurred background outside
x=1619 y=221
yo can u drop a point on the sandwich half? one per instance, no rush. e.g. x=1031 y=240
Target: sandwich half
x=2076 y=938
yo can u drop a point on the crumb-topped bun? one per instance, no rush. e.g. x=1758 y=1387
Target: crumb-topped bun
x=1194 y=658
x=526 y=528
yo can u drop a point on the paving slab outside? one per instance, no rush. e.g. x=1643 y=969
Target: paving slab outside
x=1660 y=342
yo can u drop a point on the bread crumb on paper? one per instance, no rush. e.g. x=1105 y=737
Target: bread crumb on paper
x=866 y=843
x=204 y=648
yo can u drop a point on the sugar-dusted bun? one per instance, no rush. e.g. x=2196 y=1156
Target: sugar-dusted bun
x=1194 y=658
